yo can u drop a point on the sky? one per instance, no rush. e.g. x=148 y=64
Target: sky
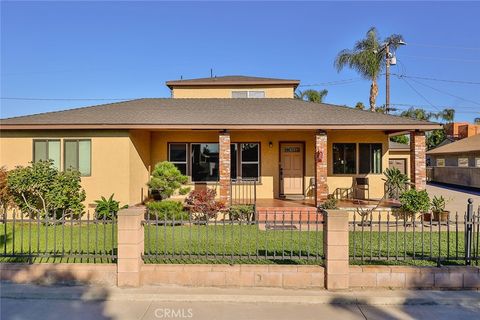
x=61 y=55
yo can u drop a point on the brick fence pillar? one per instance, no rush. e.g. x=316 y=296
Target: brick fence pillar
x=418 y=167
x=321 y=187
x=335 y=247
x=130 y=246
x=224 y=155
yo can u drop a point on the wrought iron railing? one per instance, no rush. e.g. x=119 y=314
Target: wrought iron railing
x=54 y=239
x=243 y=191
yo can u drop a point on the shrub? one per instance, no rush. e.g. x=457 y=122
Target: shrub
x=5 y=196
x=438 y=204
x=166 y=178
x=329 y=204
x=107 y=208
x=203 y=206
x=413 y=202
x=167 y=210
x=40 y=189
x=183 y=191
x=395 y=181
x=241 y=212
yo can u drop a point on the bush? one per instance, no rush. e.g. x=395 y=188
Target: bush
x=413 y=202
x=167 y=210
x=166 y=178
x=241 y=212
x=107 y=208
x=183 y=191
x=329 y=204
x=40 y=189
x=203 y=206
x=5 y=196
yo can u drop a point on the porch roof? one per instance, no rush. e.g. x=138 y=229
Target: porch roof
x=165 y=113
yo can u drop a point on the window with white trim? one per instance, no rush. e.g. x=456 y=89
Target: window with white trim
x=248 y=94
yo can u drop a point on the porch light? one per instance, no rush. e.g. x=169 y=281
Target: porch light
x=270 y=144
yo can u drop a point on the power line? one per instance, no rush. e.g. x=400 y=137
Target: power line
x=445 y=92
x=426 y=107
x=419 y=94
x=441 y=46
x=332 y=83
x=439 y=58
x=435 y=79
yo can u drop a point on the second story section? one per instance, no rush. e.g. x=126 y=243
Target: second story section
x=233 y=87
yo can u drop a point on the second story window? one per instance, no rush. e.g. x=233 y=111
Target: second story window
x=248 y=94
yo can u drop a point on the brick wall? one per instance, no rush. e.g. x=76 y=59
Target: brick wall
x=224 y=160
x=418 y=166
x=321 y=187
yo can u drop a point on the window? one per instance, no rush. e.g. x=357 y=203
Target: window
x=177 y=154
x=477 y=162
x=370 y=158
x=47 y=149
x=204 y=161
x=463 y=162
x=248 y=94
x=250 y=160
x=77 y=156
x=440 y=162
x=344 y=158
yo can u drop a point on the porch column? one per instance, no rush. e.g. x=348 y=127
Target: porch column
x=418 y=167
x=321 y=188
x=224 y=161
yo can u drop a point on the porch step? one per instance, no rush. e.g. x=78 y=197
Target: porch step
x=292 y=197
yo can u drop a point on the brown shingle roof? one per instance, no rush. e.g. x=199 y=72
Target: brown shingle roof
x=392 y=145
x=231 y=80
x=218 y=112
x=465 y=145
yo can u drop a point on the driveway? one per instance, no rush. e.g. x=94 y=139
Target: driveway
x=457 y=197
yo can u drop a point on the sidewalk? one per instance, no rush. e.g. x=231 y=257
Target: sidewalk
x=79 y=302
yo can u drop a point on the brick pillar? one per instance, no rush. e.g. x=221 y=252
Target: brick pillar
x=418 y=167
x=130 y=246
x=224 y=154
x=335 y=248
x=321 y=187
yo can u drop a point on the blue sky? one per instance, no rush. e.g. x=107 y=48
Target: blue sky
x=116 y=50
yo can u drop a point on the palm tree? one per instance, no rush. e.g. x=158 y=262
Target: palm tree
x=447 y=115
x=368 y=59
x=360 y=106
x=419 y=114
x=312 y=95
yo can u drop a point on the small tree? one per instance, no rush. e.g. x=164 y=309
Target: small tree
x=40 y=189
x=166 y=178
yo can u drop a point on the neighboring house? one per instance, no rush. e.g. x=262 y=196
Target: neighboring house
x=218 y=131
x=399 y=157
x=457 y=163
x=461 y=130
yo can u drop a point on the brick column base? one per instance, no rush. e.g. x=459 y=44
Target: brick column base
x=321 y=187
x=418 y=166
x=224 y=161
x=130 y=247
x=335 y=247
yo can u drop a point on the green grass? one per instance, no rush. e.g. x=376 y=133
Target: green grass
x=47 y=243
x=229 y=244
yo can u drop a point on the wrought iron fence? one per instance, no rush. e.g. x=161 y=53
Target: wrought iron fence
x=243 y=191
x=378 y=236
x=30 y=238
x=270 y=237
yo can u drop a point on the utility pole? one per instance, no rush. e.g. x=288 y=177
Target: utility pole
x=387 y=78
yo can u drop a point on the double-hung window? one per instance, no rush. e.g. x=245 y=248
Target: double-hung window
x=370 y=158
x=47 y=150
x=177 y=154
x=77 y=155
x=250 y=160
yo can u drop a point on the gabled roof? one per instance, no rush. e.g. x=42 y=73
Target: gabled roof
x=231 y=80
x=216 y=113
x=465 y=145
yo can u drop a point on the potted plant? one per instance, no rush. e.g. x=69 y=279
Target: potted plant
x=438 y=209
x=413 y=202
x=395 y=183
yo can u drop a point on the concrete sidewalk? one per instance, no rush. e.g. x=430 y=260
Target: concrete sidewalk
x=82 y=302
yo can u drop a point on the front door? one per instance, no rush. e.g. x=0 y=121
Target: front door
x=291 y=168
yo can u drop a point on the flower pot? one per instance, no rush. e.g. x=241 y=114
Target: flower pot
x=427 y=217
x=441 y=216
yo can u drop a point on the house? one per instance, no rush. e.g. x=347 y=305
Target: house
x=461 y=130
x=456 y=163
x=222 y=132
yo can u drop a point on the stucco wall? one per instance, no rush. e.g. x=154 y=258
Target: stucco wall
x=226 y=92
x=140 y=166
x=110 y=158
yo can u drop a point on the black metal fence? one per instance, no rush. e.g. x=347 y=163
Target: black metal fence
x=55 y=239
x=384 y=236
x=243 y=191
x=279 y=237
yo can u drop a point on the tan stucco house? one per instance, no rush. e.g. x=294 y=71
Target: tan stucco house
x=219 y=131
